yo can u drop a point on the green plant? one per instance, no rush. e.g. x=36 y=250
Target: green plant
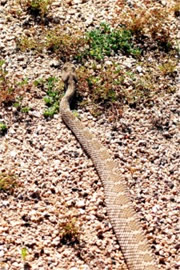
x=105 y=41
x=109 y=87
x=50 y=112
x=66 y=45
x=51 y=99
x=168 y=67
x=36 y=7
x=54 y=40
x=75 y=113
x=39 y=83
x=78 y=45
x=25 y=43
x=102 y=89
x=141 y=91
x=69 y=232
x=3 y=70
x=3 y=128
x=25 y=109
x=8 y=182
x=6 y=91
x=10 y=88
x=24 y=253
x=100 y=86
x=18 y=104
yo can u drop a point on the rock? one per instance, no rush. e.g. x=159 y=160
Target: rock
x=139 y=69
x=5 y=203
x=13 y=153
x=35 y=114
x=80 y=204
x=127 y=63
x=3 y=2
x=54 y=63
x=72 y=11
x=20 y=57
x=2 y=46
x=108 y=63
x=1 y=253
x=89 y=20
x=77 y=2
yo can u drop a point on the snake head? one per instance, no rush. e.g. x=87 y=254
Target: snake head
x=68 y=72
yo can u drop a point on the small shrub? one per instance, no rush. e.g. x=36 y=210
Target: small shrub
x=110 y=87
x=100 y=84
x=10 y=88
x=36 y=7
x=25 y=109
x=19 y=106
x=25 y=43
x=66 y=44
x=141 y=91
x=8 y=182
x=55 y=40
x=168 y=68
x=51 y=87
x=6 y=91
x=101 y=87
x=52 y=98
x=106 y=41
x=103 y=41
x=3 y=128
x=39 y=83
x=146 y=19
x=69 y=232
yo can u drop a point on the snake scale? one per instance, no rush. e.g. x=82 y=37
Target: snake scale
x=127 y=228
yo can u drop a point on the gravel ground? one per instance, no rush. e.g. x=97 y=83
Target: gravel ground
x=58 y=183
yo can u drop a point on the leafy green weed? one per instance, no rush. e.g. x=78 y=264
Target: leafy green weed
x=52 y=96
x=3 y=128
x=106 y=41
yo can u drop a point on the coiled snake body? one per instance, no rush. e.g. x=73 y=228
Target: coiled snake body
x=122 y=216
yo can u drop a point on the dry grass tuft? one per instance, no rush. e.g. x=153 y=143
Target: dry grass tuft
x=148 y=19
x=8 y=182
x=10 y=88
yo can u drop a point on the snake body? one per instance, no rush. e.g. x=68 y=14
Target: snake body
x=133 y=243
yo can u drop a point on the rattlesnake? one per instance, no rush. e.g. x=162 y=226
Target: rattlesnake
x=122 y=216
